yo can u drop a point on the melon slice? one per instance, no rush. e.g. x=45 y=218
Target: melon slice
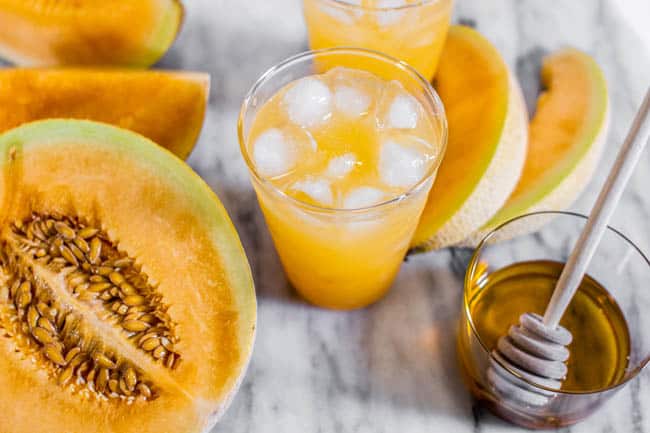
x=486 y=148
x=87 y=32
x=566 y=139
x=126 y=301
x=166 y=107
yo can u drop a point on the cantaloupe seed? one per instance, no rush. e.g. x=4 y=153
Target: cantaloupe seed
x=97 y=277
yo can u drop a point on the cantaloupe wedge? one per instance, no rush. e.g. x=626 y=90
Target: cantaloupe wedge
x=486 y=148
x=167 y=107
x=567 y=134
x=87 y=32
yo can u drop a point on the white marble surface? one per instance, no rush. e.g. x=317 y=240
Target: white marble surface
x=391 y=367
x=636 y=13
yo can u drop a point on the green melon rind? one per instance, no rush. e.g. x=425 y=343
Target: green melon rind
x=163 y=36
x=45 y=133
x=560 y=190
x=498 y=180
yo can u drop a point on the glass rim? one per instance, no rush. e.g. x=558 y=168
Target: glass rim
x=467 y=282
x=429 y=91
x=347 y=4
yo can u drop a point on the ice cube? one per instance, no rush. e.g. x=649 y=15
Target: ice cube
x=400 y=165
x=403 y=112
x=318 y=190
x=363 y=196
x=341 y=166
x=388 y=17
x=273 y=153
x=398 y=109
x=308 y=102
x=350 y=101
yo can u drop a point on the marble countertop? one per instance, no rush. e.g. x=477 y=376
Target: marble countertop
x=390 y=367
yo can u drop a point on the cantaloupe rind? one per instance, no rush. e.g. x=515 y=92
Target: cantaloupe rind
x=471 y=187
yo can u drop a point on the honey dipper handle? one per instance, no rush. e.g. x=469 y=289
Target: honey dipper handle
x=608 y=198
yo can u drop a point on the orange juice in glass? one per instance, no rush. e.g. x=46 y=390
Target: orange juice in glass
x=342 y=162
x=411 y=30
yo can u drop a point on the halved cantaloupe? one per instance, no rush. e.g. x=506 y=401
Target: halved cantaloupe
x=166 y=107
x=87 y=32
x=126 y=300
x=486 y=147
x=567 y=135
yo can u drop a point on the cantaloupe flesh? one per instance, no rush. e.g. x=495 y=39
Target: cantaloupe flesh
x=472 y=81
x=167 y=107
x=166 y=217
x=571 y=119
x=87 y=32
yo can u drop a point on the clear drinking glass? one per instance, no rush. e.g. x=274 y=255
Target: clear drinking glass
x=411 y=31
x=618 y=265
x=341 y=258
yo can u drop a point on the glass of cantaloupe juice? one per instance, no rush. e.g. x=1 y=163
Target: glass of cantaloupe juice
x=343 y=210
x=413 y=31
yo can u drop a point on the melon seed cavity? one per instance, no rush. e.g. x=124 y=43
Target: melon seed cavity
x=58 y=272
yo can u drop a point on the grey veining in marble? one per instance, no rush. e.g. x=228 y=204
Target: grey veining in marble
x=391 y=367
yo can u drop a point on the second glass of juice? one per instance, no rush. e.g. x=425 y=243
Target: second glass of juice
x=342 y=162
x=411 y=30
